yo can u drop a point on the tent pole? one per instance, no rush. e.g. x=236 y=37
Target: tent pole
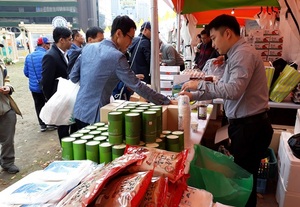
x=154 y=64
x=178 y=25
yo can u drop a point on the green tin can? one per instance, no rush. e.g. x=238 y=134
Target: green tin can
x=99 y=124
x=152 y=145
x=104 y=134
x=166 y=132
x=144 y=108
x=132 y=125
x=145 y=105
x=118 y=151
x=79 y=151
x=158 y=120
x=76 y=135
x=149 y=126
x=95 y=133
x=105 y=152
x=67 y=148
x=180 y=134
x=129 y=107
x=172 y=143
x=161 y=143
x=84 y=131
x=87 y=137
x=100 y=138
x=91 y=127
x=92 y=150
x=133 y=104
x=115 y=127
x=102 y=129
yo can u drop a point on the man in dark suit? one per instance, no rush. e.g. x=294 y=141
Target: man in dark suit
x=55 y=64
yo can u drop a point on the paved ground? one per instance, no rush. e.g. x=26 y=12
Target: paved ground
x=34 y=149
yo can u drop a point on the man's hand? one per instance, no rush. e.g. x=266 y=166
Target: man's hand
x=4 y=90
x=190 y=85
x=140 y=76
x=173 y=102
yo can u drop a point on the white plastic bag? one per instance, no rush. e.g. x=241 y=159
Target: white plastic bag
x=59 y=108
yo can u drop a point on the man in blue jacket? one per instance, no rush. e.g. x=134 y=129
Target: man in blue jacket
x=102 y=65
x=33 y=70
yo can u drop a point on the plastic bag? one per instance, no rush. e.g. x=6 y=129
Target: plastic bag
x=58 y=109
x=284 y=84
x=218 y=174
x=269 y=73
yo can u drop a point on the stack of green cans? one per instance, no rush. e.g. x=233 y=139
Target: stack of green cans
x=132 y=128
x=115 y=127
x=92 y=151
x=79 y=150
x=67 y=148
x=118 y=151
x=180 y=134
x=149 y=126
x=159 y=123
x=105 y=152
x=172 y=143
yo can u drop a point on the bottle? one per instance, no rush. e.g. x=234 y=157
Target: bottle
x=202 y=110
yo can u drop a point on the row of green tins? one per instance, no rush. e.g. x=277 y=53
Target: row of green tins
x=99 y=150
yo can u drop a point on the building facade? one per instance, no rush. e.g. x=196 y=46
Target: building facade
x=80 y=14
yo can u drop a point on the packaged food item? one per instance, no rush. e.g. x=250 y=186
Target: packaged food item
x=163 y=162
x=196 y=197
x=156 y=192
x=127 y=190
x=175 y=192
x=91 y=186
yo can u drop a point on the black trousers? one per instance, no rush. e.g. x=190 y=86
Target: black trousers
x=66 y=130
x=80 y=124
x=250 y=139
x=39 y=102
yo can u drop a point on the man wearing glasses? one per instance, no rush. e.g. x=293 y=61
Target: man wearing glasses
x=140 y=52
x=55 y=64
x=102 y=65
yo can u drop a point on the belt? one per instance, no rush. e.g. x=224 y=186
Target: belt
x=249 y=119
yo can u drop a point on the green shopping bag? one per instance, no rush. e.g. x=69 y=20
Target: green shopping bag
x=285 y=83
x=218 y=174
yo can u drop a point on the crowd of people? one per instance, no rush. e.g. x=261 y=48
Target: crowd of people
x=101 y=64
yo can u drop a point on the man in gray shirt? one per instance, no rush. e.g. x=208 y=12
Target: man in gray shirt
x=244 y=90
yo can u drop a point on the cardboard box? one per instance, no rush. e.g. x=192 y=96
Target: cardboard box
x=271 y=32
x=263 y=52
x=275 y=45
x=172 y=118
x=276 y=135
x=169 y=70
x=166 y=84
x=275 y=52
x=285 y=198
x=261 y=45
x=257 y=39
x=276 y=38
x=107 y=108
x=288 y=165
